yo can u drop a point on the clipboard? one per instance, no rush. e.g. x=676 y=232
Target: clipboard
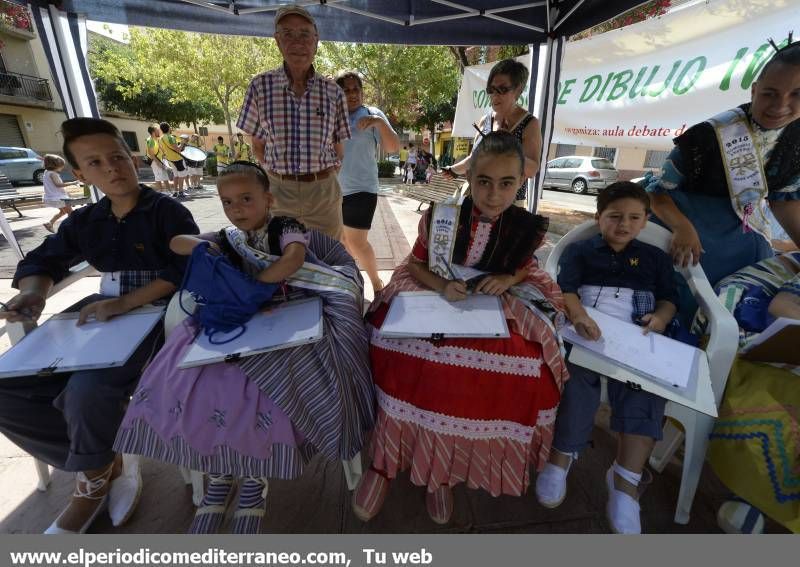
x=662 y=359
x=777 y=343
x=428 y=315
x=698 y=394
x=287 y=325
x=59 y=345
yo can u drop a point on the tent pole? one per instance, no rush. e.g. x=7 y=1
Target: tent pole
x=64 y=40
x=533 y=65
x=546 y=110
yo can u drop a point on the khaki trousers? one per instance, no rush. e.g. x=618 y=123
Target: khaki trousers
x=317 y=204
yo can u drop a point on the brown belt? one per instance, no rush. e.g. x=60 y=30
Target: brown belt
x=304 y=176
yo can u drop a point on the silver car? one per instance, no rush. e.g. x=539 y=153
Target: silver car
x=580 y=173
x=21 y=165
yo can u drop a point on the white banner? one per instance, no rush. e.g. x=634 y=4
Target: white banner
x=473 y=102
x=642 y=85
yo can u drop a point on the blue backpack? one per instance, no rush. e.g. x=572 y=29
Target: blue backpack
x=227 y=297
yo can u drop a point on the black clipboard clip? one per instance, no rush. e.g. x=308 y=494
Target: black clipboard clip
x=437 y=336
x=49 y=370
x=634 y=386
x=232 y=357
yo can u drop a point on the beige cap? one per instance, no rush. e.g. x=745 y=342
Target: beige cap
x=284 y=11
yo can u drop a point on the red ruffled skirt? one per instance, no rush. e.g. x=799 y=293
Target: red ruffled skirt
x=479 y=411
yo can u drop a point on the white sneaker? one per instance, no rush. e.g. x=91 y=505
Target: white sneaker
x=551 y=484
x=125 y=490
x=622 y=509
x=735 y=517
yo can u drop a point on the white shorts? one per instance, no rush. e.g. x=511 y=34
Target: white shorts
x=177 y=172
x=198 y=171
x=160 y=173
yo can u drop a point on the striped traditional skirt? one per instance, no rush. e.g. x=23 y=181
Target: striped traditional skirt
x=265 y=416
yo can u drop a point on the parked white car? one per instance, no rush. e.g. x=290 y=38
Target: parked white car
x=580 y=173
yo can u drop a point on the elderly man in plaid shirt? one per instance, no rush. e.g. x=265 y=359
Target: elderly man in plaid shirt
x=298 y=120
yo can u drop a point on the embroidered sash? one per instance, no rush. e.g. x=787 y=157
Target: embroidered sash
x=747 y=183
x=309 y=276
x=442 y=236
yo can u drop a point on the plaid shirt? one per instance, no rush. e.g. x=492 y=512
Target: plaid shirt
x=299 y=132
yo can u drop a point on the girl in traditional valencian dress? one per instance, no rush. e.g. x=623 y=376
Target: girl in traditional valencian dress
x=479 y=411
x=266 y=415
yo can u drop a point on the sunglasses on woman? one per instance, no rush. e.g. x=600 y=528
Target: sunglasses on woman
x=490 y=90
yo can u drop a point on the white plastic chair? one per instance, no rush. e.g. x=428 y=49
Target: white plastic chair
x=18 y=330
x=174 y=316
x=721 y=351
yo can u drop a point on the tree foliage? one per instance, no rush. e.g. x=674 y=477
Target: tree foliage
x=651 y=9
x=152 y=103
x=431 y=114
x=400 y=80
x=203 y=70
x=198 y=73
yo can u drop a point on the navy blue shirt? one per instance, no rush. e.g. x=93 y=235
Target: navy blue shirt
x=140 y=241
x=639 y=266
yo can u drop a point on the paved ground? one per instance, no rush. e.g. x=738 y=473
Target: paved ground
x=319 y=502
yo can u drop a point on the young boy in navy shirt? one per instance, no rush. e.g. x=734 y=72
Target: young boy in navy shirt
x=70 y=420
x=630 y=280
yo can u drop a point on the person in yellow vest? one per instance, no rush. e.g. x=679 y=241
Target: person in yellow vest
x=172 y=152
x=242 y=150
x=223 y=152
x=195 y=173
x=156 y=156
x=403 y=158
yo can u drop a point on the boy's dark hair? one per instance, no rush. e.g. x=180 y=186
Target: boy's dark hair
x=499 y=143
x=220 y=139
x=788 y=55
x=164 y=127
x=241 y=167
x=516 y=71
x=75 y=128
x=621 y=190
x=344 y=75
x=151 y=129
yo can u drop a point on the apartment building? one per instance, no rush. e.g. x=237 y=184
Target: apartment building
x=31 y=111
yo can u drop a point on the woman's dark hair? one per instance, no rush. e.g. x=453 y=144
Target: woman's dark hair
x=622 y=190
x=499 y=143
x=75 y=128
x=516 y=71
x=788 y=55
x=164 y=127
x=344 y=75
x=248 y=168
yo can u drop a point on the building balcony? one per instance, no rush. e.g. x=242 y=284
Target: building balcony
x=15 y=20
x=25 y=87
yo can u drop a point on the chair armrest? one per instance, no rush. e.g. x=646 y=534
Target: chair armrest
x=581 y=232
x=175 y=313
x=722 y=327
x=76 y=272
